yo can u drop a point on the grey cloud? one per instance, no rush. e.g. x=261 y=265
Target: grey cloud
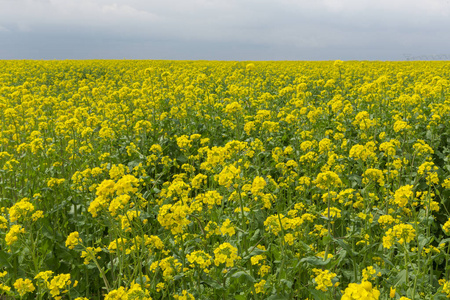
x=195 y=29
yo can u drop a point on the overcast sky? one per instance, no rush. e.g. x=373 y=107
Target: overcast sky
x=224 y=29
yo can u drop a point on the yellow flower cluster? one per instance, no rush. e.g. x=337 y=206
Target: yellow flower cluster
x=363 y=290
x=13 y=234
x=20 y=210
x=73 y=239
x=327 y=180
x=201 y=259
x=402 y=233
x=23 y=286
x=135 y=292
x=403 y=195
x=323 y=279
x=171 y=171
x=228 y=175
x=225 y=254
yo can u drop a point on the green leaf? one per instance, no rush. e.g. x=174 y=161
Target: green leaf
x=315 y=261
x=213 y=284
x=444 y=241
x=4 y=259
x=288 y=283
x=243 y=275
x=278 y=297
x=256 y=235
x=345 y=246
x=255 y=251
x=401 y=277
x=423 y=241
x=182 y=159
x=318 y=295
x=326 y=238
x=178 y=276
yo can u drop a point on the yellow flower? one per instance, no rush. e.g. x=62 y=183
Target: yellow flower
x=227 y=228
x=228 y=175
x=446 y=183
x=333 y=212
x=402 y=195
x=73 y=239
x=392 y=292
x=184 y=296
x=321 y=254
x=174 y=217
x=259 y=286
x=37 y=215
x=428 y=170
x=59 y=284
x=327 y=180
x=445 y=287
x=23 y=286
x=255 y=260
x=169 y=265
x=12 y=235
x=4 y=288
x=106 y=133
x=363 y=290
x=212 y=229
x=446 y=227
x=258 y=185
x=225 y=254
x=45 y=275
x=198 y=180
x=126 y=184
x=402 y=232
x=118 y=203
x=20 y=209
x=90 y=254
x=117 y=244
x=289 y=238
x=272 y=223
x=373 y=175
x=389 y=148
x=338 y=63
x=385 y=220
x=369 y=273
x=422 y=148
x=400 y=125
x=3 y=222
x=135 y=292
x=117 y=294
x=249 y=127
x=200 y=258
x=52 y=182
x=250 y=67
x=210 y=198
x=323 y=279
x=233 y=107
x=160 y=286
x=117 y=171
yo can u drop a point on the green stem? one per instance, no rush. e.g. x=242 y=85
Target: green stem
x=407 y=264
x=102 y=273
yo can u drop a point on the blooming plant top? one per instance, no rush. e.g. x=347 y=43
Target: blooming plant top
x=211 y=180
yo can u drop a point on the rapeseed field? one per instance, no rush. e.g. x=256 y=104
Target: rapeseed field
x=224 y=180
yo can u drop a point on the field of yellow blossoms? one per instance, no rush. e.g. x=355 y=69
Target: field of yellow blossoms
x=224 y=180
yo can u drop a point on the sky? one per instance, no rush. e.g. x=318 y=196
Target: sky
x=225 y=29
